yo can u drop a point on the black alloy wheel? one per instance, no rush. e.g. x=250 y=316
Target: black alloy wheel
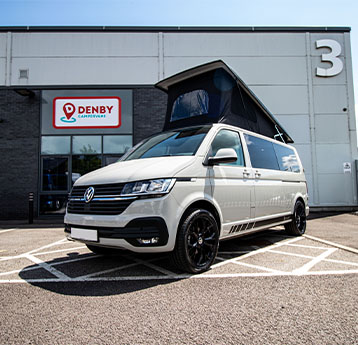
x=197 y=242
x=298 y=224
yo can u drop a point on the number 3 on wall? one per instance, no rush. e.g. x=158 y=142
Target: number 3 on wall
x=332 y=57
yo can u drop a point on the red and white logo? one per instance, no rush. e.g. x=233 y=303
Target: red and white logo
x=87 y=112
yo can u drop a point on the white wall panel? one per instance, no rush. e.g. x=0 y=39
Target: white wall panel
x=84 y=44
x=330 y=99
x=335 y=189
x=2 y=71
x=252 y=70
x=332 y=129
x=234 y=44
x=2 y=45
x=297 y=126
x=330 y=158
x=283 y=100
x=101 y=71
x=304 y=151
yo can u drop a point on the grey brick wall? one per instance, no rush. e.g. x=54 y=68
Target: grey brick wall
x=149 y=107
x=19 y=141
x=20 y=137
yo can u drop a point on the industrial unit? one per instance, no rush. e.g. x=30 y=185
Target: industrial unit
x=302 y=75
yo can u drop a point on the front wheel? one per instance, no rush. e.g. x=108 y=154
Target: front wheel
x=298 y=224
x=197 y=242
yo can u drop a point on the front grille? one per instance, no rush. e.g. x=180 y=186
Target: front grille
x=102 y=202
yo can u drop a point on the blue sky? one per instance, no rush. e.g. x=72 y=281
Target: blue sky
x=186 y=13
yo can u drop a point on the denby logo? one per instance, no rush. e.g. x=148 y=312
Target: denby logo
x=87 y=112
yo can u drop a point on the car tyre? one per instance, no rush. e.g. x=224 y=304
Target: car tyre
x=297 y=226
x=197 y=242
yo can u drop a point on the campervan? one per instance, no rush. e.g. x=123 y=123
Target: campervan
x=221 y=168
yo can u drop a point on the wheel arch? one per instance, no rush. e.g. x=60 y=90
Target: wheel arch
x=206 y=205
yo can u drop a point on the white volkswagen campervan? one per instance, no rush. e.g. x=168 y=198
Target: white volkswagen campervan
x=183 y=190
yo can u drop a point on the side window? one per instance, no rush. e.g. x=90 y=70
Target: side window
x=287 y=159
x=228 y=139
x=262 y=153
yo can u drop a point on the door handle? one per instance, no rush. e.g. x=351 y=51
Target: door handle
x=257 y=174
x=246 y=173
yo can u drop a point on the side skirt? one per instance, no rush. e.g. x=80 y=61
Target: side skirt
x=246 y=228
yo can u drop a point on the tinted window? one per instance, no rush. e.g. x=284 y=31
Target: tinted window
x=287 y=159
x=262 y=153
x=228 y=139
x=194 y=103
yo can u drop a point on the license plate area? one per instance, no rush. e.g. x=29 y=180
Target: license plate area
x=84 y=234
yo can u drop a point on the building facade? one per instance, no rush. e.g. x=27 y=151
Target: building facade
x=302 y=75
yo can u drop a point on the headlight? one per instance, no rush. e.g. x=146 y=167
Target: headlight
x=150 y=187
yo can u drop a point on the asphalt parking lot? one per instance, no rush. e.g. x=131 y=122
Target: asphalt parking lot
x=265 y=288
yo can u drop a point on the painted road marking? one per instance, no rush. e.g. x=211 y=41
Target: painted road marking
x=337 y=245
x=165 y=274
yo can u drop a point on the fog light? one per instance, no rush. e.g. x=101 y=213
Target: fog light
x=146 y=241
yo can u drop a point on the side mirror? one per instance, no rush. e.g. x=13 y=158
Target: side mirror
x=223 y=156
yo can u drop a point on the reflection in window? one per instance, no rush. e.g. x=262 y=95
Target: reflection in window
x=55 y=145
x=86 y=144
x=287 y=159
x=184 y=142
x=53 y=204
x=190 y=104
x=54 y=173
x=83 y=164
x=117 y=143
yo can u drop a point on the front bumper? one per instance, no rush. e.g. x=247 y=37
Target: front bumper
x=142 y=219
x=134 y=232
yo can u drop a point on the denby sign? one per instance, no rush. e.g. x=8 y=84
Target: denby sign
x=87 y=112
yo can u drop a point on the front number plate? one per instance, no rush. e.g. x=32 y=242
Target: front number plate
x=84 y=234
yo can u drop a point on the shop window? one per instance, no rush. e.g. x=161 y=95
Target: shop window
x=86 y=144
x=53 y=204
x=83 y=164
x=54 y=174
x=117 y=143
x=56 y=145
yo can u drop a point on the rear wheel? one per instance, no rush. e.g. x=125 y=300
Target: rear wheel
x=298 y=224
x=197 y=242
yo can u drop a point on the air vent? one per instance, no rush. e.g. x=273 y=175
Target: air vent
x=24 y=74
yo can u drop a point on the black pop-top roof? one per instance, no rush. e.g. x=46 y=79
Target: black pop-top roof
x=213 y=93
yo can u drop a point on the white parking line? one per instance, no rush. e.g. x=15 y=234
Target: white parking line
x=305 y=268
x=47 y=267
x=333 y=244
x=169 y=275
x=7 y=230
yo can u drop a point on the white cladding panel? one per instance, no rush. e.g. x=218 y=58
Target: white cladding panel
x=280 y=67
x=3 y=41
x=100 y=71
x=332 y=129
x=292 y=122
x=283 y=100
x=258 y=70
x=330 y=99
x=234 y=44
x=104 y=44
x=2 y=71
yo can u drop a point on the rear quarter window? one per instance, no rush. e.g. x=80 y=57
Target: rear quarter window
x=287 y=158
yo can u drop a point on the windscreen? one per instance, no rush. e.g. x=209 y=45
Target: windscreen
x=181 y=142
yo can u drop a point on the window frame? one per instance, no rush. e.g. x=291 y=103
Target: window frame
x=243 y=149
